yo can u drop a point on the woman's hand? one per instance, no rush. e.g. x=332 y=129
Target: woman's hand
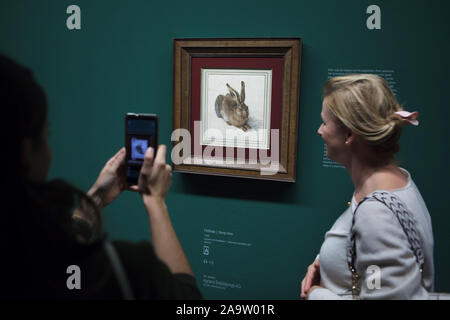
x=155 y=178
x=312 y=279
x=111 y=181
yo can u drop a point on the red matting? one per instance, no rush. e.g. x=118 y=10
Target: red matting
x=274 y=64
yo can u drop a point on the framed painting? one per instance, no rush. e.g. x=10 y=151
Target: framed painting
x=235 y=107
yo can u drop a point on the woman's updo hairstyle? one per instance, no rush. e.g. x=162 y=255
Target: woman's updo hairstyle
x=365 y=104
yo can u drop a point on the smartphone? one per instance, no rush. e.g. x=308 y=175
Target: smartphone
x=141 y=132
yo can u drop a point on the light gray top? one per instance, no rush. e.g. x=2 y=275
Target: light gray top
x=380 y=241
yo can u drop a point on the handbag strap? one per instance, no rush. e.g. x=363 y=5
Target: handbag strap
x=119 y=271
x=407 y=222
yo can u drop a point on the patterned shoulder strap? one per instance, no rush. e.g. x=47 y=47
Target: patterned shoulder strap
x=407 y=222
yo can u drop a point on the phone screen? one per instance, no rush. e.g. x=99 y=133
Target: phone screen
x=141 y=132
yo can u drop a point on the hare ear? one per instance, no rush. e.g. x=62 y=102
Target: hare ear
x=242 y=91
x=233 y=92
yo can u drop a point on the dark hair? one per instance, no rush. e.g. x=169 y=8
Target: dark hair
x=24 y=108
x=36 y=218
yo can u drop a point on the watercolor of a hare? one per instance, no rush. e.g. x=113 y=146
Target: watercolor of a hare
x=232 y=109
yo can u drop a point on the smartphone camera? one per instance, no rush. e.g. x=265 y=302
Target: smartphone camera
x=141 y=132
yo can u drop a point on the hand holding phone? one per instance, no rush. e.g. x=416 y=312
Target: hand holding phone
x=141 y=132
x=156 y=175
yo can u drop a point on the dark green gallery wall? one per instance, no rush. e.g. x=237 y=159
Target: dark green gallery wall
x=262 y=235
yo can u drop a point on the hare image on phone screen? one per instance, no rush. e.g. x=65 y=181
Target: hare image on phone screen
x=232 y=109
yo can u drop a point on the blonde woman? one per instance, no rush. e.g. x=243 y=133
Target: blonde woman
x=368 y=254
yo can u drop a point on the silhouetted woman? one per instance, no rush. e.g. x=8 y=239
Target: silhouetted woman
x=48 y=228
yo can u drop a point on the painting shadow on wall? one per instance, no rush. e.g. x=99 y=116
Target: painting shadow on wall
x=236 y=188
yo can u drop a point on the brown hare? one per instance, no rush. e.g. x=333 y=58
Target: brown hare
x=232 y=109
